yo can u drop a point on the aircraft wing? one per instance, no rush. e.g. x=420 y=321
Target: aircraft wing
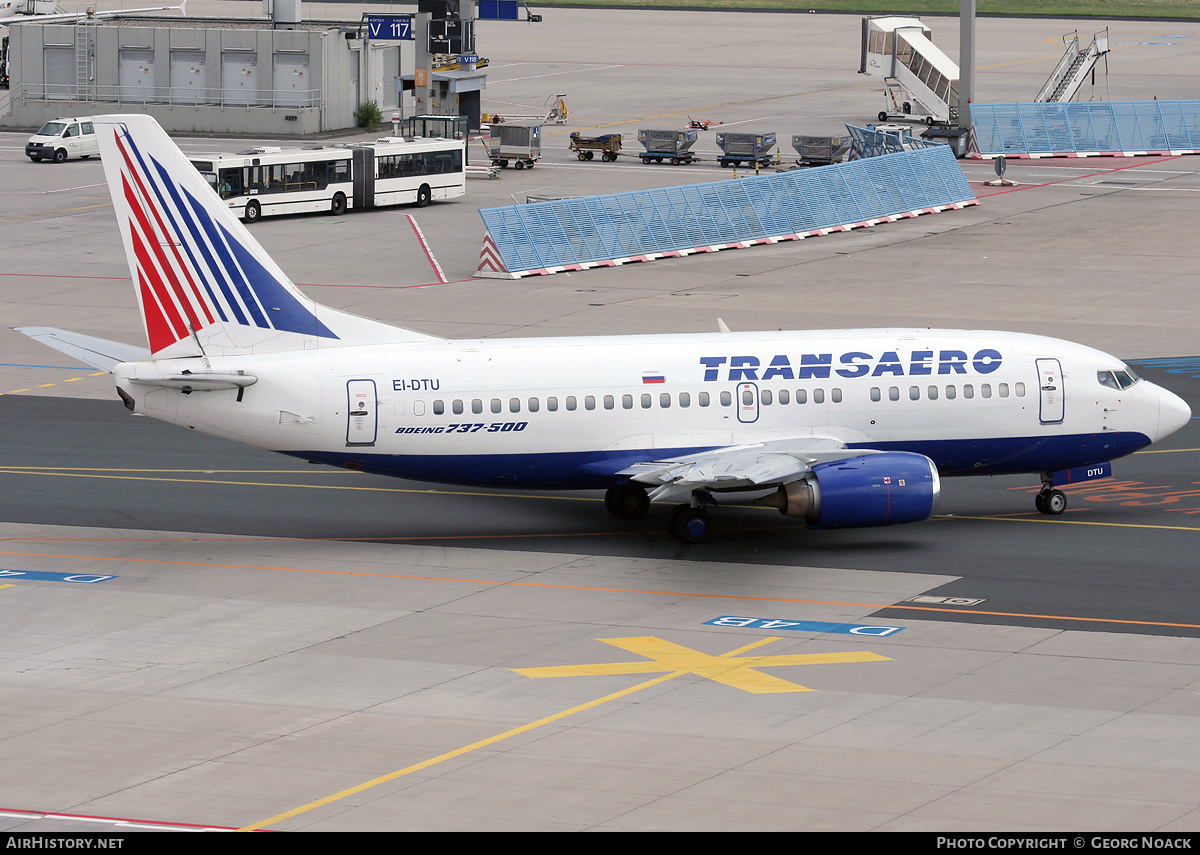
x=97 y=352
x=738 y=467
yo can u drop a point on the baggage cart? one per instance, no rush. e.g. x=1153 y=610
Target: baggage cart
x=669 y=145
x=519 y=144
x=586 y=147
x=819 y=151
x=750 y=148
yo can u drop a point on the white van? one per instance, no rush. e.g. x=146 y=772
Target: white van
x=59 y=139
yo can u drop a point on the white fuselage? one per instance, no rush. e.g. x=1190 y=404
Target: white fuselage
x=570 y=412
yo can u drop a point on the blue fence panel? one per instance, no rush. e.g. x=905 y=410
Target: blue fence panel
x=620 y=225
x=1126 y=126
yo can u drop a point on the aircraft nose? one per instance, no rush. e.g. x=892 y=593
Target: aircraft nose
x=1173 y=413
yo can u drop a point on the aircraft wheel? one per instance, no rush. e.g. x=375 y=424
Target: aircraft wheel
x=627 y=502
x=690 y=525
x=1051 y=502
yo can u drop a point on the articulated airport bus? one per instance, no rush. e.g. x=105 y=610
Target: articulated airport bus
x=391 y=171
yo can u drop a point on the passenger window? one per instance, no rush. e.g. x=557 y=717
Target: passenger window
x=914 y=393
x=685 y=399
x=950 y=393
x=589 y=402
x=664 y=399
x=534 y=405
x=703 y=399
x=765 y=397
x=1003 y=389
x=609 y=402
x=457 y=407
x=1020 y=390
x=497 y=407
x=818 y=396
x=552 y=404
x=785 y=397
x=571 y=403
x=646 y=402
x=875 y=394
x=726 y=399
x=439 y=407
x=477 y=406
x=835 y=395
x=932 y=393
x=514 y=405
x=893 y=393
x=968 y=391
x=627 y=401
x=801 y=396
x=985 y=390
x=747 y=397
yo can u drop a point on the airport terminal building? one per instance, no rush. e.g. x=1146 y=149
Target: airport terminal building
x=218 y=76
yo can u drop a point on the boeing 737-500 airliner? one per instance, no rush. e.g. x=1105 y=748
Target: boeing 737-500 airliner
x=840 y=428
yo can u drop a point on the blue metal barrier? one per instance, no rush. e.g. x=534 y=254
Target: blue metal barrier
x=567 y=233
x=1116 y=127
x=871 y=142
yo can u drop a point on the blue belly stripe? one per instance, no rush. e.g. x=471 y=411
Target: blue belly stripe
x=584 y=470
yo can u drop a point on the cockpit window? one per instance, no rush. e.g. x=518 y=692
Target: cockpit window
x=1122 y=379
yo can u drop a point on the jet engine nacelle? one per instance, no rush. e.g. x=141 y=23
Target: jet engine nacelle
x=875 y=489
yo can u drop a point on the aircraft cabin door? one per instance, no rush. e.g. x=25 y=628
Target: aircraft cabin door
x=362 y=412
x=1050 y=383
x=747 y=403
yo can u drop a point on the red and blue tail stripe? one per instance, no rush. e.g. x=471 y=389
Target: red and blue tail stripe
x=194 y=270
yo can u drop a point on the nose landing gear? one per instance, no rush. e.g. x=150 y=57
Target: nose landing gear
x=1050 y=501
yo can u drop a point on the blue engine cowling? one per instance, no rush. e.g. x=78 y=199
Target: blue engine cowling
x=888 y=488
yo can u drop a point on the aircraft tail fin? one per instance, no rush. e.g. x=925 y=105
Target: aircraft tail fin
x=204 y=285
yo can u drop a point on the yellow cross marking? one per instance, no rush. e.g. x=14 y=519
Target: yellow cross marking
x=738 y=672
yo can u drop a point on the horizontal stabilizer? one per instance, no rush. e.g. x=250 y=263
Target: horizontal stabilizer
x=196 y=381
x=96 y=352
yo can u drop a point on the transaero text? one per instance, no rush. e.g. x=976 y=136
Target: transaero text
x=818 y=366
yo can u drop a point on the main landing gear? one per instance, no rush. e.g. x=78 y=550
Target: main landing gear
x=1048 y=500
x=627 y=502
x=688 y=523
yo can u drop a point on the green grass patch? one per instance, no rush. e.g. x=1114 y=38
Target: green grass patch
x=1165 y=9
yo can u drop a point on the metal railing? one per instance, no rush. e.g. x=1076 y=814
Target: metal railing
x=170 y=96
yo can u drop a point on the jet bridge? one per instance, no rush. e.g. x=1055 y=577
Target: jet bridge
x=919 y=81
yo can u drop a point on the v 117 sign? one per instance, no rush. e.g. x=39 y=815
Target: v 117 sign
x=390 y=27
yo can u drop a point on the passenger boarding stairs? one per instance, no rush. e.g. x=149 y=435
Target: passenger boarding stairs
x=920 y=81
x=1073 y=69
